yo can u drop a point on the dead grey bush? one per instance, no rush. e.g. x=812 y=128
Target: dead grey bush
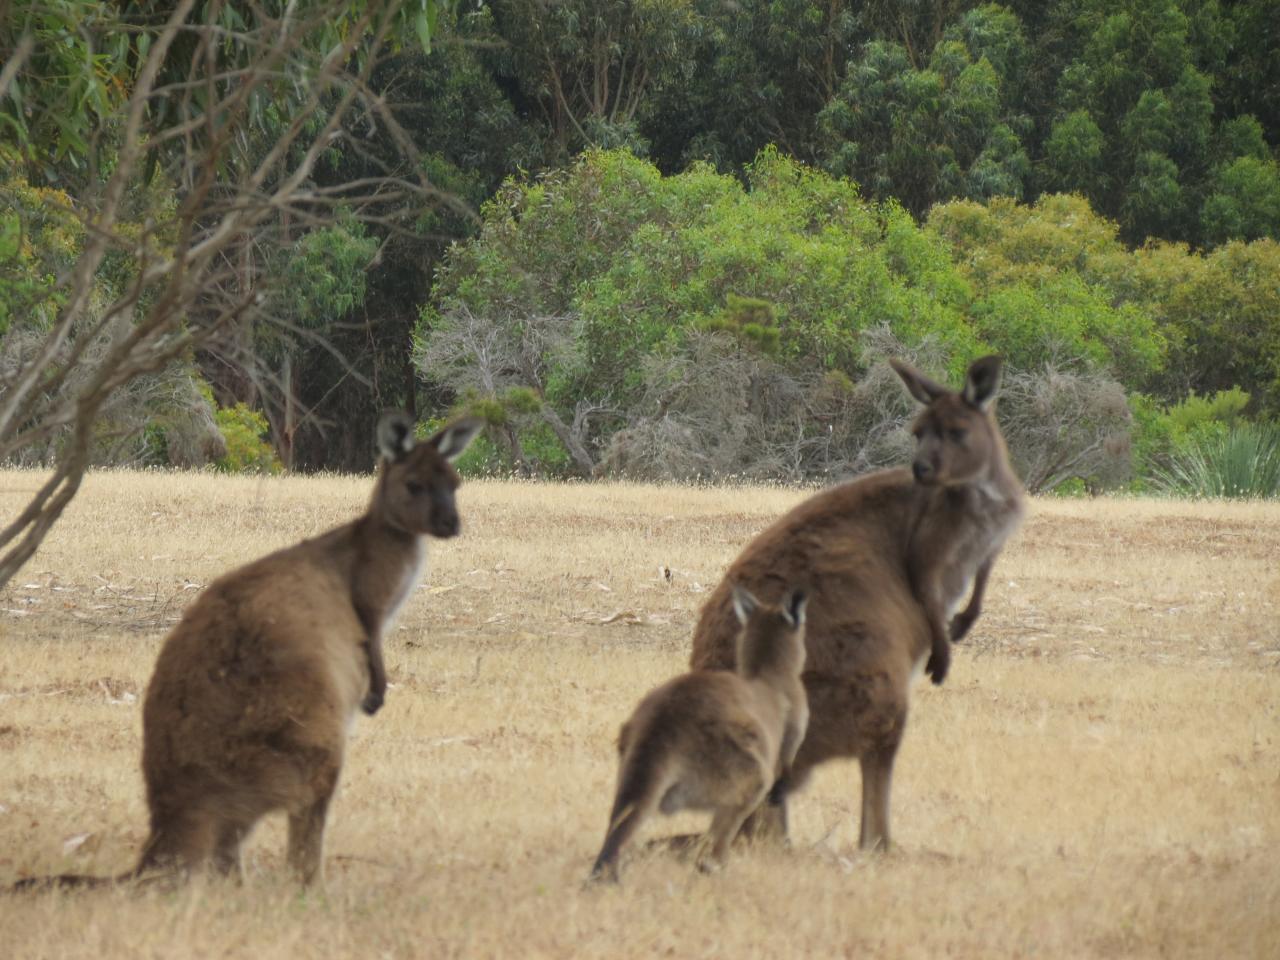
x=717 y=408
x=693 y=419
x=1064 y=424
x=168 y=401
x=485 y=356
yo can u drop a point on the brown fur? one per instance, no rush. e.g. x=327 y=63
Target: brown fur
x=714 y=739
x=887 y=558
x=254 y=690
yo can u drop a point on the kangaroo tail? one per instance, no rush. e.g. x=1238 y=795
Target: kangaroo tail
x=69 y=881
x=148 y=863
x=644 y=778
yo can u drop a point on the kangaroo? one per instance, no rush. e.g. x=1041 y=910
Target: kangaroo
x=715 y=739
x=888 y=558
x=254 y=690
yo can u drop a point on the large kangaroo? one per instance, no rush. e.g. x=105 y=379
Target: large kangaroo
x=254 y=690
x=888 y=558
x=715 y=739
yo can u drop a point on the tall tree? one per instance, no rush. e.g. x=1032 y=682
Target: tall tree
x=464 y=137
x=200 y=78
x=590 y=66
x=946 y=129
x=1136 y=114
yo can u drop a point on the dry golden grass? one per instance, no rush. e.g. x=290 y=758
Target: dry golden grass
x=1098 y=777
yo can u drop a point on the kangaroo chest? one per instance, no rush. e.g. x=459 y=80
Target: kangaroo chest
x=410 y=576
x=966 y=529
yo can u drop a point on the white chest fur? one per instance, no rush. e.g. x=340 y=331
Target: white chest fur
x=411 y=577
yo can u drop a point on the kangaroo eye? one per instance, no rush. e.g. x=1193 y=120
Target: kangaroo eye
x=414 y=487
x=957 y=436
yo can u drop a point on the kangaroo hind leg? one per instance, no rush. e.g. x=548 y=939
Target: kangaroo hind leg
x=307 y=817
x=877 y=778
x=229 y=837
x=180 y=841
x=641 y=786
x=725 y=825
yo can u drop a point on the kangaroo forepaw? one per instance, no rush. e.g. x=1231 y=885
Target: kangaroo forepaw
x=603 y=873
x=960 y=625
x=372 y=702
x=938 y=665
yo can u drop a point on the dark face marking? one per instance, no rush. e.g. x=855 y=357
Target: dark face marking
x=419 y=493
x=419 y=480
x=953 y=442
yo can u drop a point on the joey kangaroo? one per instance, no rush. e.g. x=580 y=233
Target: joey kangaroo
x=888 y=558
x=254 y=690
x=715 y=739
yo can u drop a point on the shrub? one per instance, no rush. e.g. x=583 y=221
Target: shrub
x=1196 y=416
x=1066 y=425
x=1161 y=433
x=248 y=451
x=687 y=325
x=1243 y=463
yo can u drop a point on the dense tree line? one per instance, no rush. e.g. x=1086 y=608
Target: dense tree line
x=788 y=190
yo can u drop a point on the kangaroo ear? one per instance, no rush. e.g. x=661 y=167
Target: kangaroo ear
x=454 y=438
x=794 y=608
x=744 y=603
x=982 y=382
x=918 y=385
x=395 y=434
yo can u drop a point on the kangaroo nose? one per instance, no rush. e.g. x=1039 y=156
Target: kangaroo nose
x=446 y=525
x=921 y=470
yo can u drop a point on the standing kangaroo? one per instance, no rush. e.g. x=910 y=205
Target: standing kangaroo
x=888 y=558
x=715 y=739
x=254 y=690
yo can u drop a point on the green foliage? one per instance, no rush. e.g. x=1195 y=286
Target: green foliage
x=592 y=65
x=760 y=72
x=1043 y=285
x=800 y=242
x=797 y=267
x=78 y=74
x=1151 y=118
x=1164 y=319
x=543 y=447
x=1136 y=130
x=40 y=238
x=794 y=265
x=482 y=458
x=1219 y=311
x=1245 y=202
x=1074 y=151
x=1242 y=463
x=324 y=275
x=499 y=410
x=322 y=278
x=921 y=135
x=66 y=100
x=245 y=432
x=522 y=400
x=1196 y=417
x=1175 y=433
x=748 y=318
x=1151 y=438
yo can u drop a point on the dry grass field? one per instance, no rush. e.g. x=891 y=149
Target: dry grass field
x=1099 y=776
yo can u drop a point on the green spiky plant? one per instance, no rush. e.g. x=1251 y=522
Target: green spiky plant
x=1240 y=463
